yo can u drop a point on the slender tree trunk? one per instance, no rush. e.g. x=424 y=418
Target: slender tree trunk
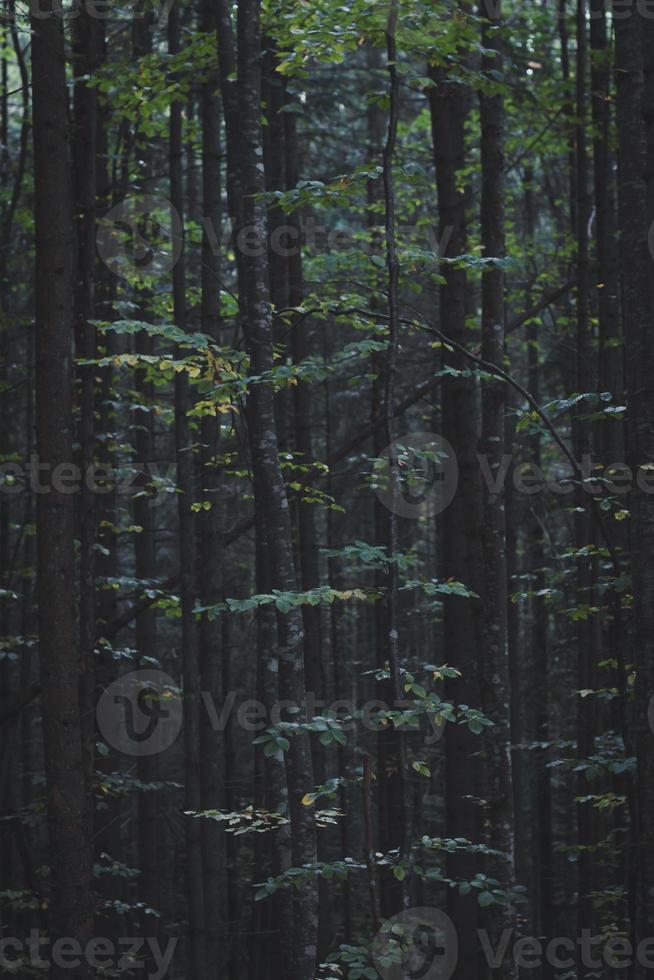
x=302 y=345
x=145 y=551
x=342 y=688
x=495 y=686
x=388 y=748
x=274 y=155
x=461 y=523
x=71 y=902
x=568 y=108
x=209 y=541
x=581 y=439
x=271 y=787
x=634 y=167
x=196 y=954
x=269 y=488
x=611 y=357
x=107 y=822
x=86 y=59
x=396 y=785
x=6 y=693
x=539 y=700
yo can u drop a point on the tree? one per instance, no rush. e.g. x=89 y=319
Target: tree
x=495 y=688
x=71 y=902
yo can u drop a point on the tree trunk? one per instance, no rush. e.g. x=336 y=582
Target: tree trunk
x=86 y=60
x=633 y=171
x=581 y=440
x=184 y=452
x=271 y=501
x=210 y=553
x=398 y=827
x=461 y=523
x=495 y=686
x=71 y=901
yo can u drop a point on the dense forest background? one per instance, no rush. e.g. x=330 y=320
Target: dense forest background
x=326 y=521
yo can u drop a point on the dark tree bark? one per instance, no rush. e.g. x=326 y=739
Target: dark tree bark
x=398 y=824
x=611 y=357
x=274 y=155
x=495 y=687
x=581 y=439
x=269 y=490
x=389 y=799
x=84 y=141
x=461 y=524
x=568 y=108
x=539 y=700
x=210 y=556
x=229 y=96
x=303 y=337
x=186 y=482
x=145 y=550
x=271 y=786
x=634 y=188
x=641 y=439
x=71 y=902
x=108 y=821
